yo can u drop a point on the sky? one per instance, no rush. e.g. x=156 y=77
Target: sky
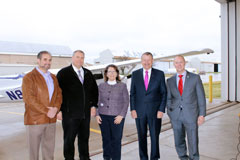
x=159 y=26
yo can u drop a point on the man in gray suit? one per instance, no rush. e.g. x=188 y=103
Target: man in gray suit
x=186 y=107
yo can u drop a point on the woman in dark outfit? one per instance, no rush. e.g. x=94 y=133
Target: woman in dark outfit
x=112 y=108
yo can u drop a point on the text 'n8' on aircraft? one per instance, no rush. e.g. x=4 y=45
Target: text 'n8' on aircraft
x=11 y=85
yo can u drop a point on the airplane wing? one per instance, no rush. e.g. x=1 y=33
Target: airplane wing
x=15 y=76
x=133 y=63
x=10 y=86
x=190 y=53
x=97 y=68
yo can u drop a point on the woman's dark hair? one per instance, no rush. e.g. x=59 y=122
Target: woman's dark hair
x=115 y=68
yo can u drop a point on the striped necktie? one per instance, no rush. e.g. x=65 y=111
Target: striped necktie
x=80 y=76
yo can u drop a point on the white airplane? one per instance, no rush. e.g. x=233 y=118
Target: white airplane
x=11 y=90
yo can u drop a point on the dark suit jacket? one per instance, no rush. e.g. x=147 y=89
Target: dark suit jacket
x=151 y=101
x=77 y=98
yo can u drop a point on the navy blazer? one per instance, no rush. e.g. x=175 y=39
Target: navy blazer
x=151 y=101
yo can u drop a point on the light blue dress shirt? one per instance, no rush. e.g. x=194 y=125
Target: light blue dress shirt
x=49 y=81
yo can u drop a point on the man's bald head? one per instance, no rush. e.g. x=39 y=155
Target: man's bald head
x=179 y=63
x=181 y=57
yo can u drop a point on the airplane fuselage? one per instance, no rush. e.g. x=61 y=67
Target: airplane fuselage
x=11 y=90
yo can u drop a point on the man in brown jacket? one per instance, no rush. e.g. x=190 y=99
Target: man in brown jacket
x=43 y=97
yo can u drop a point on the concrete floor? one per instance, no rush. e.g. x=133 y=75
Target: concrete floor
x=218 y=136
x=13 y=135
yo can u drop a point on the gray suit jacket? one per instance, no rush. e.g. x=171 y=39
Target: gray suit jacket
x=192 y=101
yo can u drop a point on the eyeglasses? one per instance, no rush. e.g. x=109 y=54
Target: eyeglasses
x=111 y=71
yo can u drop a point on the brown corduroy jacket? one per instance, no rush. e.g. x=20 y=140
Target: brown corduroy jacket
x=36 y=98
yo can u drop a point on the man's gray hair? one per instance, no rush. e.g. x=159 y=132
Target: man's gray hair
x=148 y=54
x=78 y=51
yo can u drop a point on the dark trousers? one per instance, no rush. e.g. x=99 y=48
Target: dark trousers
x=180 y=129
x=154 y=125
x=73 y=127
x=111 y=137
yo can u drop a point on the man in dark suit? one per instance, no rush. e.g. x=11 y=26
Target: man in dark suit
x=147 y=102
x=186 y=107
x=80 y=96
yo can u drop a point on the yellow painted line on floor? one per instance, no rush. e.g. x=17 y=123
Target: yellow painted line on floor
x=13 y=113
x=95 y=131
x=91 y=129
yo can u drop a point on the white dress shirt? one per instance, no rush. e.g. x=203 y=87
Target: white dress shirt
x=112 y=82
x=81 y=71
x=149 y=74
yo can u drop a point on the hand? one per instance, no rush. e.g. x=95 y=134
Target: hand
x=201 y=120
x=52 y=112
x=134 y=114
x=159 y=114
x=59 y=116
x=99 y=119
x=93 y=111
x=118 y=119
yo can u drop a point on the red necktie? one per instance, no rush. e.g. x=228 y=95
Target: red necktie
x=180 y=84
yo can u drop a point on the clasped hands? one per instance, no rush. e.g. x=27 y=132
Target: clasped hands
x=52 y=112
x=117 y=119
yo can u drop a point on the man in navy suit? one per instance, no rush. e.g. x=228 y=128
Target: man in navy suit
x=147 y=102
